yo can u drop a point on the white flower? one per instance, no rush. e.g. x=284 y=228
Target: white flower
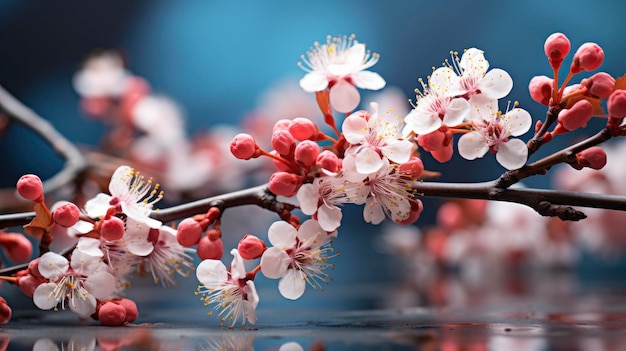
x=375 y=135
x=472 y=78
x=340 y=64
x=102 y=76
x=235 y=295
x=167 y=257
x=433 y=109
x=296 y=257
x=492 y=132
x=81 y=281
x=130 y=194
x=320 y=199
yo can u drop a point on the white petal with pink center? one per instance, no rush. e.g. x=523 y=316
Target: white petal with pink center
x=321 y=198
x=234 y=296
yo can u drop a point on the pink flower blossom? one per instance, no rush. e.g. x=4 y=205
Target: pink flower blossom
x=340 y=64
x=296 y=257
x=492 y=132
x=235 y=295
x=81 y=281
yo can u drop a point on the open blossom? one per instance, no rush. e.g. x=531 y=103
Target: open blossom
x=296 y=257
x=472 y=78
x=373 y=137
x=81 y=281
x=433 y=109
x=102 y=75
x=492 y=132
x=340 y=64
x=131 y=195
x=235 y=295
x=167 y=256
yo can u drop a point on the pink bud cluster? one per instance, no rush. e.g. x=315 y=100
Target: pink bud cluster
x=189 y=233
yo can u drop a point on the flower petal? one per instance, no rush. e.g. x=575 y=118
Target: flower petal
x=291 y=346
x=83 y=306
x=52 y=265
x=456 y=112
x=89 y=246
x=422 y=123
x=43 y=298
x=313 y=82
x=518 y=121
x=249 y=305
x=512 y=154
x=211 y=273
x=101 y=284
x=98 y=206
x=274 y=263
x=373 y=211
x=308 y=198
x=496 y=84
x=344 y=97
x=311 y=234
x=398 y=152
x=355 y=128
x=368 y=80
x=472 y=145
x=84 y=264
x=329 y=217
x=368 y=161
x=292 y=285
x=237 y=267
x=120 y=181
x=282 y=235
x=473 y=62
x=444 y=81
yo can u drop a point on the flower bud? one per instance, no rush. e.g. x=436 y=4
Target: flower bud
x=111 y=314
x=306 y=153
x=444 y=154
x=588 y=57
x=5 y=311
x=251 y=247
x=188 y=232
x=283 y=142
x=540 y=88
x=112 y=228
x=131 y=309
x=431 y=141
x=280 y=166
x=599 y=85
x=30 y=187
x=616 y=104
x=66 y=215
x=33 y=268
x=302 y=128
x=210 y=249
x=414 y=214
x=281 y=124
x=328 y=161
x=28 y=284
x=244 y=147
x=413 y=168
x=593 y=157
x=284 y=183
x=16 y=246
x=577 y=116
x=556 y=47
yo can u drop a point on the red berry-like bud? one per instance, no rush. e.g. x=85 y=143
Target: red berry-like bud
x=111 y=314
x=66 y=215
x=593 y=157
x=616 y=104
x=556 y=47
x=600 y=85
x=30 y=187
x=210 y=249
x=328 y=161
x=444 y=154
x=588 y=57
x=188 y=232
x=540 y=88
x=302 y=128
x=16 y=246
x=431 y=141
x=283 y=142
x=112 y=228
x=5 y=311
x=306 y=153
x=251 y=247
x=281 y=124
x=285 y=184
x=28 y=284
x=33 y=268
x=413 y=168
x=244 y=147
x=577 y=116
x=131 y=310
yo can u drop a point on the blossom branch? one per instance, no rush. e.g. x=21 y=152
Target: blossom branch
x=76 y=162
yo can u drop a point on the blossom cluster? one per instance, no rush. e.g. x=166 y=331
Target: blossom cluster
x=356 y=156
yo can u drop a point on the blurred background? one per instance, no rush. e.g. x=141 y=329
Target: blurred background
x=223 y=62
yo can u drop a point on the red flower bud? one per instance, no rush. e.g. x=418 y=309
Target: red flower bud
x=17 y=247
x=302 y=128
x=328 y=161
x=112 y=228
x=413 y=168
x=588 y=57
x=131 y=309
x=540 y=88
x=251 y=247
x=210 y=249
x=5 y=311
x=30 y=187
x=577 y=116
x=66 y=215
x=111 y=314
x=188 y=232
x=616 y=104
x=306 y=153
x=285 y=184
x=593 y=157
x=599 y=85
x=556 y=47
x=244 y=147
x=283 y=142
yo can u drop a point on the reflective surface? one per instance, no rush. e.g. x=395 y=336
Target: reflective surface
x=555 y=311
